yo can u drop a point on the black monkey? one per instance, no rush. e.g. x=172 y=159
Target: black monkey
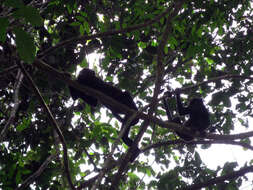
x=88 y=78
x=198 y=116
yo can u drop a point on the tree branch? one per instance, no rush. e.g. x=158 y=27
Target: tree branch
x=5 y=71
x=230 y=137
x=159 y=78
x=179 y=141
x=16 y=101
x=104 y=34
x=31 y=178
x=53 y=121
x=221 y=179
x=228 y=76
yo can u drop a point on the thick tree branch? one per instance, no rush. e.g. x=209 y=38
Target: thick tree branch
x=230 y=137
x=88 y=183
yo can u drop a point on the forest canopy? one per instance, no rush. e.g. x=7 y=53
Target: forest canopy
x=142 y=51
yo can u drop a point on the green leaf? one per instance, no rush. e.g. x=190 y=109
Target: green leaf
x=199 y=32
x=209 y=61
x=80 y=18
x=216 y=98
x=221 y=31
x=25 y=171
x=18 y=176
x=75 y=24
x=25 y=123
x=3 y=23
x=84 y=63
x=30 y=14
x=86 y=27
x=173 y=41
x=81 y=29
x=25 y=45
x=84 y=14
x=69 y=8
x=169 y=180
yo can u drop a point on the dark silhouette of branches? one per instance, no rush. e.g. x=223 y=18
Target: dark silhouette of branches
x=16 y=102
x=88 y=183
x=8 y=70
x=53 y=121
x=180 y=142
x=230 y=137
x=228 y=76
x=221 y=179
x=104 y=34
x=215 y=180
x=158 y=83
x=31 y=178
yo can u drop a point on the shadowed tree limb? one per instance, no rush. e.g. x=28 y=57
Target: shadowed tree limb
x=36 y=174
x=16 y=102
x=55 y=124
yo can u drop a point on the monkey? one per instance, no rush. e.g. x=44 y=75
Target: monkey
x=199 y=119
x=88 y=78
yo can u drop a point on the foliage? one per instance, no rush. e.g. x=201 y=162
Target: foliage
x=144 y=47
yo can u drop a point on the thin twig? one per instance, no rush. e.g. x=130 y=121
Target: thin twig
x=5 y=71
x=91 y=160
x=88 y=183
x=31 y=178
x=16 y=101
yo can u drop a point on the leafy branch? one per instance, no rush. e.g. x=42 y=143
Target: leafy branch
x=221 y=179
x=104 y=34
